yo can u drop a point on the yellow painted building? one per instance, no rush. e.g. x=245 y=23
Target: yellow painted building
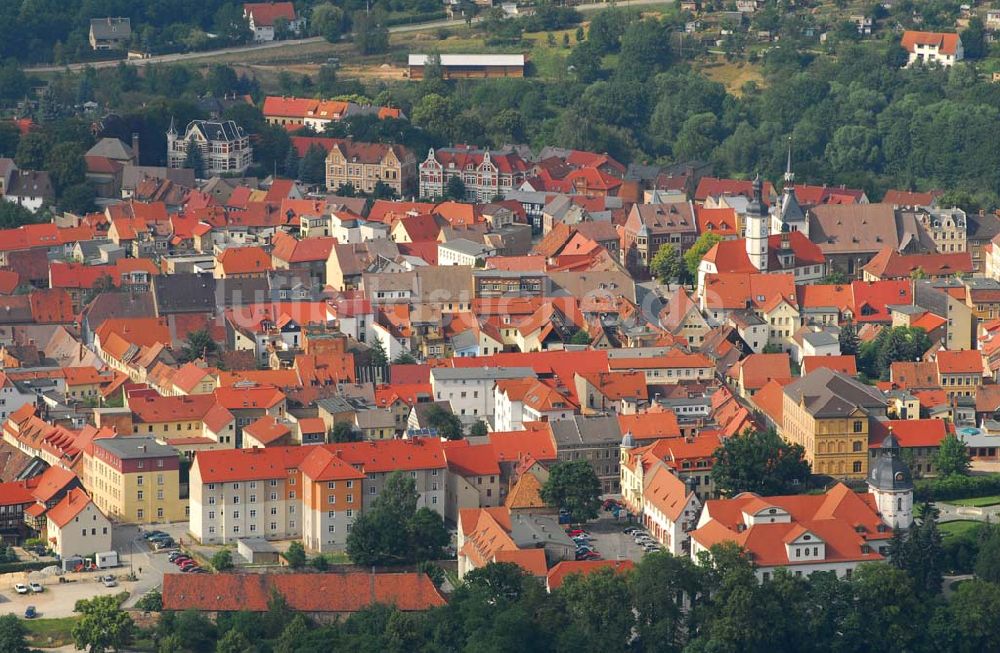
x=135 y=480
x=829 y=414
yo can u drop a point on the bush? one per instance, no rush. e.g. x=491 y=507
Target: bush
x=959 y=552
x=11 y=567
x=151 y=601
x=956 y=487
x=223 y=560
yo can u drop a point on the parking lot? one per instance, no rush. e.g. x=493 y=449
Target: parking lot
x=57 y=599
x=609 y=540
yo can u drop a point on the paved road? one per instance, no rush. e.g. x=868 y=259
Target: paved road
x=257 y=47
x=950 y=512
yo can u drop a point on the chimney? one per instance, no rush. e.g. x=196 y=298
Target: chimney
x=135 y=146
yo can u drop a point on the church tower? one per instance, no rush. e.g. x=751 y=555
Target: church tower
x=787 y=215
x=757 y=228
x=890 y=481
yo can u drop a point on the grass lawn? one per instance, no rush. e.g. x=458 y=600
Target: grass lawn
x=732 y=74
x=50 y=633
x=977 y=502
x=955 y=528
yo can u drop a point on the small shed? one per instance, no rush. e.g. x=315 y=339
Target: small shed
x=257 y=551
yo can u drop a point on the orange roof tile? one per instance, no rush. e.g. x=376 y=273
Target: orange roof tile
x=338 y=592
x=75 y=501
x=243 y=260
x=558 y=574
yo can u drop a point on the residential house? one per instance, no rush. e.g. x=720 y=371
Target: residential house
x=266 y=18
x=650 y=226
x=365 y=165
x=486 y=174
x=941 y=48
x=110 y=33
x=225 y=146
x=76 y=527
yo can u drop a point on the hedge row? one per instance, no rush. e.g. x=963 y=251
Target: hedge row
x=11 y=567
x=956 y=487
x=415 y=18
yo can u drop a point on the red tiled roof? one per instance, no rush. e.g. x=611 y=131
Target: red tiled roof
x=51 y=306
x=959 y=362
x=910 y=198
x=536 y=440
x=234 y=398
x=471 y=459
x=51 y=482
x=244 y=260
x=758 y=369
x=304 y=592
x=323 y=465
x=890 y=264
x=713 y=187
x=909 y=432
x=9 y=281
x=650 y=426
x=844 y=364
x=75 y=501
x=946 y=42
x=266 y=430
x=873 y=298
x=266 y=13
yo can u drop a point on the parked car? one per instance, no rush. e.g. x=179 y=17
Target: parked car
x=631 y=530
x=577 y=532
x=151 y=534
x=200 y=570
x=190 y=568
x=159 y=545
x=21 y=588
x=30 y=612
x=175 y=555
x=187 y=566
x=109 y=581
x=588 y=555
x=36 y=588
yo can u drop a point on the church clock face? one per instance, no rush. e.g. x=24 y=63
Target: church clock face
x=899 y=476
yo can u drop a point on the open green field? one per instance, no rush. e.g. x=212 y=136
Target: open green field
x=50 y=633
x=955 y=528
x=977 y=502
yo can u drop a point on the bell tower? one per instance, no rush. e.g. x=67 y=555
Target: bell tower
x=757 y=228
x=890 y=481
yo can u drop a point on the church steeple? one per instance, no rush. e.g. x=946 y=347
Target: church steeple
x=757 y=228
x=889 y=480
x=789 y=175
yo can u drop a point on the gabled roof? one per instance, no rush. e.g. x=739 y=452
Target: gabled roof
x=946 y=42
x=909 y=432
x=757 y=369
x=844 y=364
x=959 y=362
x=471 y=460
x=825 y=393
x=244 y=260
x=266 y=430
x=713 y=187
x=337 y=592
x=75 y=502
x=890 y=264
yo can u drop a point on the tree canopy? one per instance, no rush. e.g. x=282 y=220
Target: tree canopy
x=573 y=486
x=761 y=462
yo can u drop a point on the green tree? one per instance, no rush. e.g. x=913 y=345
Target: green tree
x=835 y=278
x=987 y=565
x=378 y=355
x=344 y=432
x=584 y=62
x=849 y=340
x=9 y=138
x=660 y=586
x=103 y=626
x=292 y=163
x=292 y=636
x=974 y=39
x=573 y=486
x=446 y=423
x=195 y=160
x=404 y=358
x=478 y=429
x=32 y=151
x=370 y=36
x=666 y=265
x=233 y=642
x=918 y=552
x=761 y=462
x=876 y=357
x=65 y=165
x=455 y=189
x=312 y=168
x=14 y=215
x=952 y=457
x=598 y=609
x=645 y=50
x=581 y=337
x=223 y=560
x=199 y=344
x=78 y=199
x=296 y=555
x=964 y=623
x=151 y=601
x=393 y=531
x=579 y=34
x=12 y=635
x=694 y=254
